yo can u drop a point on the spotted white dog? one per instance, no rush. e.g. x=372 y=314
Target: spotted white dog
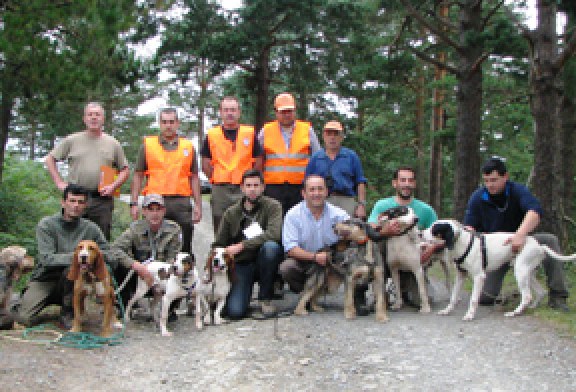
x=471 y=257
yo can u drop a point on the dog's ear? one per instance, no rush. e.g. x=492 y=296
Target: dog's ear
x=208 y=266
x=372 y=233
x=74 y=272
x=26 y=264
x=100 y=271
x=231 y=271
x=444 y=231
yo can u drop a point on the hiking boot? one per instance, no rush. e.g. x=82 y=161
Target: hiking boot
x=360 y=304
x=267 y=309
x=278 y=290
x=558 y=303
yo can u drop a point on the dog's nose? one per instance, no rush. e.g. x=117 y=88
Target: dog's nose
x=416 y=220
x=83 y=258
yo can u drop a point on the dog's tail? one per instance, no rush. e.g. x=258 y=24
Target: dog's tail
x=558 y=256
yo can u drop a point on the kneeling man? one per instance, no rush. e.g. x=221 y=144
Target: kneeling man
x=250 y=232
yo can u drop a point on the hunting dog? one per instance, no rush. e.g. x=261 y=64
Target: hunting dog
x=475 y=254
x=213 y=287
x=403 y=253
x=13 y=264
x=90 y=276
x=354 y=259
x=171 y=281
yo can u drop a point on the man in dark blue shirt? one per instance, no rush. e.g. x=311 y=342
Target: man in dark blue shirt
x=342 y=170
x=502 y=205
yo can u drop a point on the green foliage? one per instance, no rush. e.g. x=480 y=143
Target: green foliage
x=26 y=195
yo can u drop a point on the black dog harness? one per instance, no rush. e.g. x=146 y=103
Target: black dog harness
x=461 y=259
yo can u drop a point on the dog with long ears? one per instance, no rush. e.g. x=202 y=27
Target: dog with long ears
x=171 y=281
x=354 y=259
x=475 y=254
x=91 y=277
x=213 y=287
x=13 y=264
x=403 y=253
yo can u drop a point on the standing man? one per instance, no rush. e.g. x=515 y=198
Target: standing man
x=57 y=237
x=86 y=152
x=342 y=170
x=250 y=231
x=152 y=237
x=502 y=205
x=308 y=229
x=288 y=144
x=169 y=164
x=227 y=152
x=404 y=183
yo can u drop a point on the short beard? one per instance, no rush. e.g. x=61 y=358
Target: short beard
x=404 y=197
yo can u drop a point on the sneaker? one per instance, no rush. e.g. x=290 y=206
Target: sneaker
x=278 y=290
x=267 y=309
x=558 y=303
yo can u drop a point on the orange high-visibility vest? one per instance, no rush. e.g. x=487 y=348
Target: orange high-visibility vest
x=230 y=159
x=286 y=165
x=168 y=171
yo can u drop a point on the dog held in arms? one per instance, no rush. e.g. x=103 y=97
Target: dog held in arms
x=475 y=254
x=403 y=253
x=171 y=281
x=13 y=264
x=91 y=277
x=213 y=287
x=354 y=259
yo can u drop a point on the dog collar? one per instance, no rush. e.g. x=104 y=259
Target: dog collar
x=460 y=259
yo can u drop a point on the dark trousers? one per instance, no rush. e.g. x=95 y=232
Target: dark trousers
x=99 y=211
x=179 y=209
x=287 y=194
x=38 y=295
x=553 y=269
x=262 y=270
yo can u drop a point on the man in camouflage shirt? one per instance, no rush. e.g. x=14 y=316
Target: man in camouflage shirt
x=151 y=238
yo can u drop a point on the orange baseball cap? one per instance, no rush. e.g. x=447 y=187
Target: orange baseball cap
x=334 y=125
x=284 y=101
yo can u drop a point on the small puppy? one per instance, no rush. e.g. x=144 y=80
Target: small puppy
x=90 y=276
x=213 y=287
x=13 y=264
x=403 y=253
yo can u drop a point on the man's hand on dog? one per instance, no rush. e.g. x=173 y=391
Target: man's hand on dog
x=234 y=249
x=321 y=258
x=143 y=273
x=517 y=241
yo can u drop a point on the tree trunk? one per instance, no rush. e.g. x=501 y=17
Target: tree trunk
x=262 y=87
x=32 y=140
x=435 y=175
x=5 y=119
x=469 y=101
x=545 y=103
x=419 y=134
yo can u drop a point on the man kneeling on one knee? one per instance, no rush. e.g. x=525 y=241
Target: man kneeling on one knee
x=250 y=231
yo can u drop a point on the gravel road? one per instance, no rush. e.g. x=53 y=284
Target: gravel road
x=412 y=352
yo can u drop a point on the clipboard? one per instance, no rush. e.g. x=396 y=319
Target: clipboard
x=107 y=176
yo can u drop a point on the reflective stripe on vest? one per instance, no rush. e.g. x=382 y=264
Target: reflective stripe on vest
x=283 y=165
x=230 y=159
x=168 y=171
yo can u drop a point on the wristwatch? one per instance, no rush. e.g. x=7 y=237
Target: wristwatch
x=133 y=203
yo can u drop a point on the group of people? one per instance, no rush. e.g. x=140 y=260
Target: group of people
x=276 y=195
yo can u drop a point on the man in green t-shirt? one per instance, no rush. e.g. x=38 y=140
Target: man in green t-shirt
x=404 y=182
x=86 y=152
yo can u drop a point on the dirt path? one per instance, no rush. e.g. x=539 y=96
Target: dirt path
x=412 y=352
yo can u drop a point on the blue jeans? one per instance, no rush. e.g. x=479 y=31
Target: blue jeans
x=263 y=271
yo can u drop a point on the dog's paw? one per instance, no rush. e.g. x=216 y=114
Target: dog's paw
x=396 y=305
x=117 y=324
x=207 y=319
x=316 y=308
x=220 y=321
x=300 y=312
x=167 y=333
x=468 y=317
x=425 y=309
x=444 y=312
x=382 y=317
x=510 y=314
x=199 y=325
x=350 y=314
